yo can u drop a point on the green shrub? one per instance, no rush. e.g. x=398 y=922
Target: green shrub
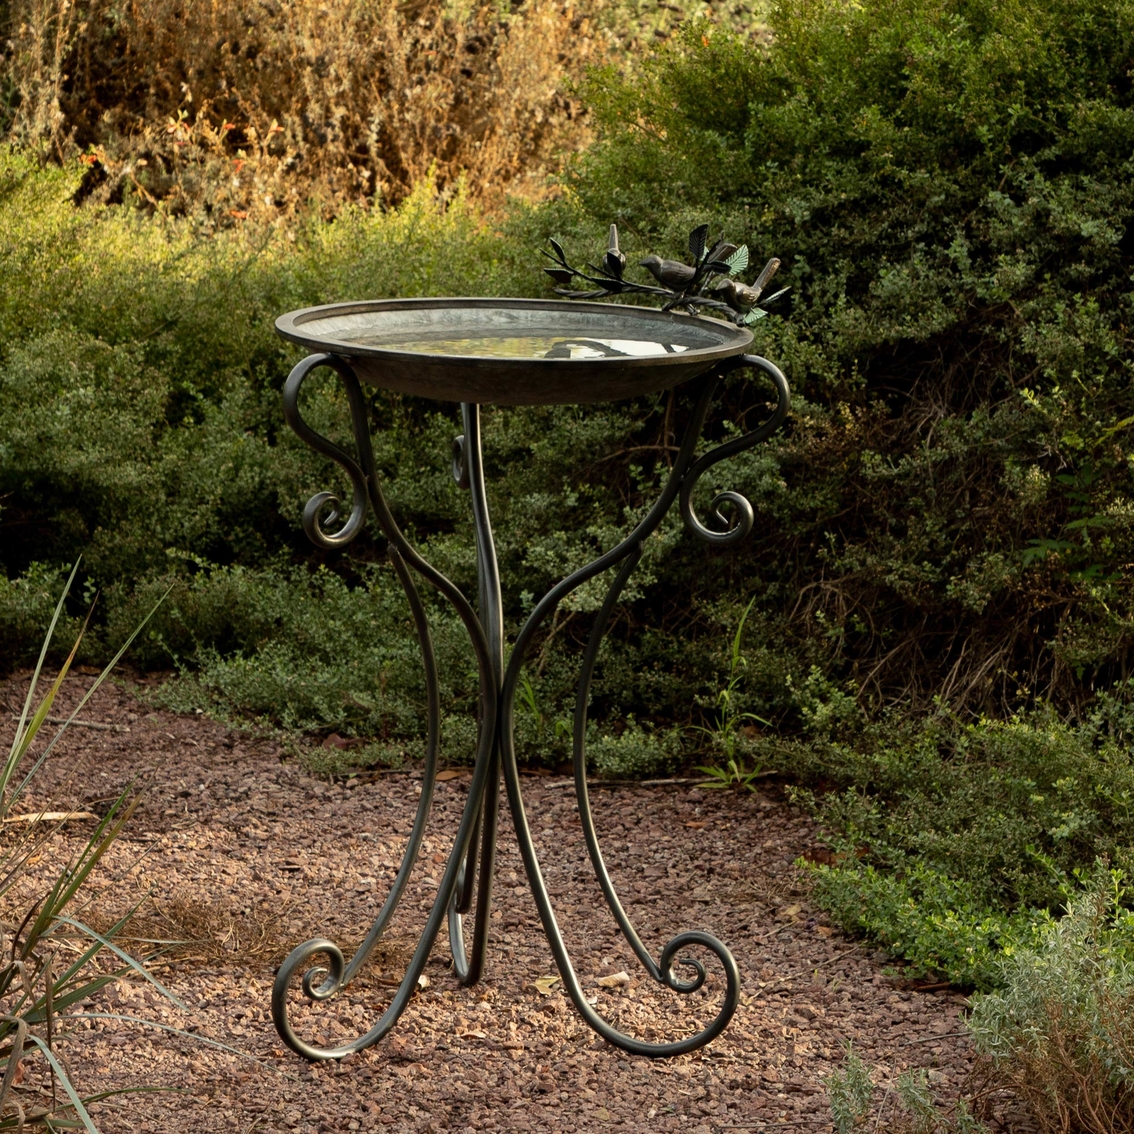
x=304 y=650
x=635 y=751
x=957 y=842
x=946 y=522
x=139 y=411
x=26 y=604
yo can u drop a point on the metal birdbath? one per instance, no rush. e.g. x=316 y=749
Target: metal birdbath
x=509 y=352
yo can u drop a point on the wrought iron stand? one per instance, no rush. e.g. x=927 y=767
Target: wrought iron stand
x=467 y=881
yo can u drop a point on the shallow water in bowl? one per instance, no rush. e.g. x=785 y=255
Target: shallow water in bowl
x=548 y=346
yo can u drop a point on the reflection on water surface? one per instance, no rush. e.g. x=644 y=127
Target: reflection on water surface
x=521 y=346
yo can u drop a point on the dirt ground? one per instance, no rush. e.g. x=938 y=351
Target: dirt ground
x=240 y=855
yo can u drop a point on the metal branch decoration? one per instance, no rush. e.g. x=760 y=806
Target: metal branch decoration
x=708 y=283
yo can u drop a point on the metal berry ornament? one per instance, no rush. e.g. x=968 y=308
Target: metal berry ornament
x=707 y=283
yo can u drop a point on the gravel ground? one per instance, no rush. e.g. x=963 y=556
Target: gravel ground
x=239 y=856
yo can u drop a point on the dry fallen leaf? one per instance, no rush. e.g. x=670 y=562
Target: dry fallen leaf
x=449 y=774
x=476 y=1034
x=343 y=742
x=613 y=981
x=50 y=817
x=545 y=984
x=695 y=826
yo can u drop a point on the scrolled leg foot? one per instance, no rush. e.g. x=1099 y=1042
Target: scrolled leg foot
x=319 y=982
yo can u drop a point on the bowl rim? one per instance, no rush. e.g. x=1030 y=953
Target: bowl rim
x=735 y=339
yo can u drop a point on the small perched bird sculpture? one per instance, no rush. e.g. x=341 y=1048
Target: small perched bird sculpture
x=669 y=273
x=739 y=296
x=709 y=283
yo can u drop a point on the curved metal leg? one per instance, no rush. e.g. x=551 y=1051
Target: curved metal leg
x=469 y=472
x=322 y=981
x=681 y=481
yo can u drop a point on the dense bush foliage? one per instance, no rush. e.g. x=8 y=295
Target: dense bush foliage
x=950 y=187
x=139 y=411
x=953 y=841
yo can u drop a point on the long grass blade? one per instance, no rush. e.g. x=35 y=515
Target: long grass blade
x=98 y=681
x=184 y=1034
x=131 y=962
x=35 y=1014
x=43 y=650
x=49 y=999
x=14 y=1057
x=22 y=729
x=61 y=1075
x=69 y=881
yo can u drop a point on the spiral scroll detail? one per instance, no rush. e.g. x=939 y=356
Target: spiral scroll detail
x=737 y=525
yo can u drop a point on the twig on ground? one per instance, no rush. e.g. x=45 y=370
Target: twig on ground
x=624 y=783
x=779 y=1124
x=82 y=724
x=788 y=977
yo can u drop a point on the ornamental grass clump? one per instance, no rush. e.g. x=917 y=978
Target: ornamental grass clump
x=1061 y=1032
x=49 y=960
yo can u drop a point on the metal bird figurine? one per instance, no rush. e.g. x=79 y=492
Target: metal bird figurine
x=669 y=273
x=739 y=296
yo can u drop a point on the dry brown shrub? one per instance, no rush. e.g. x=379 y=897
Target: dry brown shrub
x=266 y=107
x=198 y=932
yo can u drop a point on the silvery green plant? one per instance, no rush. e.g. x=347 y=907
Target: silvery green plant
x=850 y=1092
x=1061 y=1030
x=907 y=1106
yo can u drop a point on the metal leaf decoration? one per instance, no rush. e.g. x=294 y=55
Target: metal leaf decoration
x=738 y=261
x=698 y=242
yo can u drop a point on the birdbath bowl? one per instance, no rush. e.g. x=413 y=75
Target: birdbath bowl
x=518 y=352
x=513 y=352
